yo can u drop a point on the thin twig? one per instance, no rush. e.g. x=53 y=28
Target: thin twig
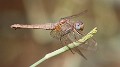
x=65 y=48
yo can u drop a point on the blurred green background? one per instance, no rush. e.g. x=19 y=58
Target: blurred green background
x=21 y=48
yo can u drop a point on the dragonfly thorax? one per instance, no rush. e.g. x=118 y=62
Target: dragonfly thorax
x=57 y=28
x=61 y=30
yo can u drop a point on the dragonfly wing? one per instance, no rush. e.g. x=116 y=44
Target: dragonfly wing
x=55 y=34
x=76 y=15
x=90 y=44
x=76 y=49
x=73 y=18
x=59 y=36
x=65 y=40
x=72 y=37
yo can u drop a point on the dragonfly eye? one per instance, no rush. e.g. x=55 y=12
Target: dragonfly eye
x=77 y=26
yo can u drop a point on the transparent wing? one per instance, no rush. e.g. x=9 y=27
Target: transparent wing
x=65 y=40
x=85 y=48
x=74 y=18
x=72 y=37
x=55 y=34
x=88 y=45
x=76 y=15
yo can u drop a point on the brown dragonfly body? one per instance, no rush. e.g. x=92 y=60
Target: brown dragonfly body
x=65 y=30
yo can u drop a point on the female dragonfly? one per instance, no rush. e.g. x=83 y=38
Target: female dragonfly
x=66 y=31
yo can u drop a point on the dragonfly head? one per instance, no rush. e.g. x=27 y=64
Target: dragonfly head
x=79 y=25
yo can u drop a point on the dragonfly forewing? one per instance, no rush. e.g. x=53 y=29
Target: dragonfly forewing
x=76 y=15
x=89 y=45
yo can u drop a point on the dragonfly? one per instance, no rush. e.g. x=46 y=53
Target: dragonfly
x=66 y=31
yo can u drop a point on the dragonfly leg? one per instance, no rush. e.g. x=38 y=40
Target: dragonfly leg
x=67 y=46
x=83 y=35
x=76 y=48
x=61 y=42
x=70 y=49
x=79 y=52
x=80 y=33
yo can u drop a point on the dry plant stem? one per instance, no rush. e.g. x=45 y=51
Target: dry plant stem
x=65 y=48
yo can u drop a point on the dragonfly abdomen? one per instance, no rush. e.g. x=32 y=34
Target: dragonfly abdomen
x=47 y=26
